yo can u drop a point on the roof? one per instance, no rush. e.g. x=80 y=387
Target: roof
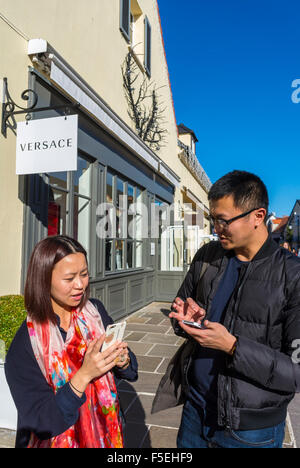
x=182 y=129
x=281 y=224
x=294 y=208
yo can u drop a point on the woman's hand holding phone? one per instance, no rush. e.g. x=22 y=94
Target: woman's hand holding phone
x=96 y=363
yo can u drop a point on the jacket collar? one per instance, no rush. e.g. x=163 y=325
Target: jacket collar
x=266 y=250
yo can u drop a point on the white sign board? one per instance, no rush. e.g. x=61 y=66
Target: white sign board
x=47 y=145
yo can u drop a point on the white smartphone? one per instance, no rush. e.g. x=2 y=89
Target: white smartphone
x=114 y=332
x=192 y=324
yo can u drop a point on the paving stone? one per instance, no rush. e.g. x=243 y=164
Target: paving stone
x=146 y=327
x=163 y=366
x=135 y=435
x=7 y=438
x=140 y=349
x=137 y=320
x=147 y=383
x=155 y=320
x=126 y=398
x=157 y=338
x=180 y=341
x=149 y=363
x=165 y=321
x=294 y=412
x=163 y=350
x=160 y=437
x=134 y=336
x=140 y=411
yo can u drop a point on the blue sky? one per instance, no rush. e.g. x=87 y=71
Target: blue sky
x=231 y=65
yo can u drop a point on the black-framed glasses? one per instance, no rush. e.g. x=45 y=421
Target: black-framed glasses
x=225 y=222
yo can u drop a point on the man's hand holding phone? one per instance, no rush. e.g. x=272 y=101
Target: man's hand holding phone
x=187 y=310
x=210 y=335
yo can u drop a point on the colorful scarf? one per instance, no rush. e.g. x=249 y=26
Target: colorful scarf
x=98 y=424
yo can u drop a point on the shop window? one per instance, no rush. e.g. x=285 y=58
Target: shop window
x=124 y=245
x=57 y=204
x=170 y=239
x=69 y=203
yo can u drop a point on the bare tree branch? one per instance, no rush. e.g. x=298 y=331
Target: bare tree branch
x=149 y=119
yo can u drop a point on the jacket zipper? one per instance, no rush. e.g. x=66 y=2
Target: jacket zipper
x=231 y=328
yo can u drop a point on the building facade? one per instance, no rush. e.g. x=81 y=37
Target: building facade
x=292 y=232
x=126 y=200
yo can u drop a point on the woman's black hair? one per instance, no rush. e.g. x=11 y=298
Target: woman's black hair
x=44 y=257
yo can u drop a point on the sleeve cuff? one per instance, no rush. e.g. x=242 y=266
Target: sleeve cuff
x=69 y=403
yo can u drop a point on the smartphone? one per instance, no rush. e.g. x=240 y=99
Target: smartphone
x=114 y=332
x=192 y=324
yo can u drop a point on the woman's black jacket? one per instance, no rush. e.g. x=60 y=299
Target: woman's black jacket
x=264 y=314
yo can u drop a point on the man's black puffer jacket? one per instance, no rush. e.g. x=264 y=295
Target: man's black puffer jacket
x=264 y=314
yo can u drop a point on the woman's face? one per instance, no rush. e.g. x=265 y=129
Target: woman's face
x=70 y=279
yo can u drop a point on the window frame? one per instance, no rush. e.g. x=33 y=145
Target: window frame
x=118 y=237
x=126 y=33
x=70 y=200
x=147 y=46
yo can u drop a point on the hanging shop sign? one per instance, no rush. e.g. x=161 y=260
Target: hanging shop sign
x=47 y=145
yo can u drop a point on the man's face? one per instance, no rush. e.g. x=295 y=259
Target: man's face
x=241 y=231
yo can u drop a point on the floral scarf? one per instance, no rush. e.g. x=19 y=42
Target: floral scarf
x=99 y=424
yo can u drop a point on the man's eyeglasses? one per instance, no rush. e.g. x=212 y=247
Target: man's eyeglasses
x=224 y=223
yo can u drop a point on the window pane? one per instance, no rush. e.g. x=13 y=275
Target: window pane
x=147 y=46
x=120 y=193
x=130 y=261
x=125 y=17
x=82 y=177
x=81 y=226
x=108 y=255
x=119 y=255
x=57 y=212
x=58 y=179
x=109 y=188
x=139 y=254
x=130 y=212
x=139 y=214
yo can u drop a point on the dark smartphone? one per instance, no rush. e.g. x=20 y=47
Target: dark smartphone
x=192 y=324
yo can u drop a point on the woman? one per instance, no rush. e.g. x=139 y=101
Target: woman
x=61 y=382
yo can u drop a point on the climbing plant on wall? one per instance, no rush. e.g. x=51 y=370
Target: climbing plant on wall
x=144 y=106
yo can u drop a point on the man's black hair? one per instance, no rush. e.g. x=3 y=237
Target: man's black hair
x=247 y=189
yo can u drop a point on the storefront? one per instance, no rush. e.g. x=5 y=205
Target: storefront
x=124 y=260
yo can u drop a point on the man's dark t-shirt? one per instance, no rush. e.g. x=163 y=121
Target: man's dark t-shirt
x=208 y=363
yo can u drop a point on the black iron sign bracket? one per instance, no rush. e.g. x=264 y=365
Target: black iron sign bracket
x=9 y=108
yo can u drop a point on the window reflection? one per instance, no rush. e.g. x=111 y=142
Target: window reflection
x=82 y=202
x=119 y=205
x=122 y=250
x=58 y=179
x=70 y=196
x=119 y=255
x=108 y=254
x=57 y=212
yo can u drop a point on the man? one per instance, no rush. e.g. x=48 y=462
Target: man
x=242 y=374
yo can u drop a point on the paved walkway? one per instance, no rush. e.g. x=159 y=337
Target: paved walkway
x=151 y=337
